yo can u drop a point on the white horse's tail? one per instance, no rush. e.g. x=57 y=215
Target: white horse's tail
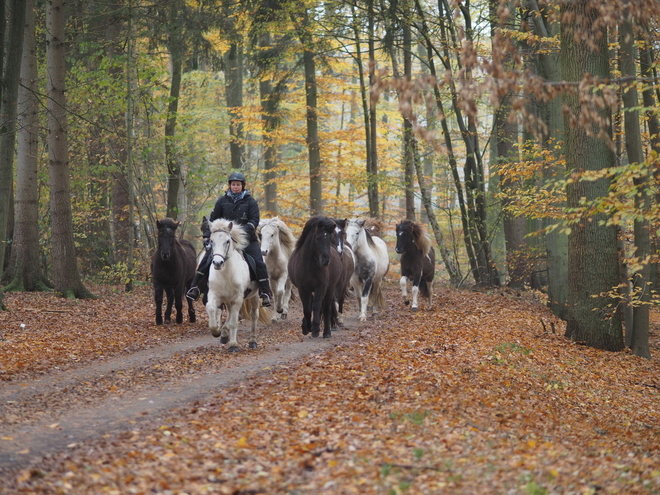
x=377 y=299
x=246 y=310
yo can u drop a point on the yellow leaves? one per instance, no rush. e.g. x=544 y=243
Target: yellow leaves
x=242 y=442
x=303 y=413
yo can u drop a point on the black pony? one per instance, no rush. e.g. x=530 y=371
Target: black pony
x=417 y=261
x=315 y=268
x=348 y=264
x=172 y=269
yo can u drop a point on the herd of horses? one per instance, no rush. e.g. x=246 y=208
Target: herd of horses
x=330 y=260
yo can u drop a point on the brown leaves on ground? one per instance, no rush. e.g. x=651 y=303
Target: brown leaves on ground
x=471 y=397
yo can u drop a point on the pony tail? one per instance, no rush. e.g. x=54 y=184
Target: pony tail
x=424 y=288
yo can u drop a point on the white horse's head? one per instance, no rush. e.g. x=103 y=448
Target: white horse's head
x=226 y=238
x=269 y=233
x=354 y=228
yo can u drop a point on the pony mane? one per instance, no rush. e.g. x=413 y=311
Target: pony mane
x=374 y=226
x=287 y=239
x=237 y=232
x=362 y=224
x=325 y=223
x=168 y=223
x=418 y=233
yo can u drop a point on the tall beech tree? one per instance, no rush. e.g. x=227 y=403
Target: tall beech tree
x=10 y=67
x=592 y=245
x=65 y=274
x=25 y=269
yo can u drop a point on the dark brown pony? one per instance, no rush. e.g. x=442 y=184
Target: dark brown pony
x=315 y=268
x=417 y=261
x=172 y=270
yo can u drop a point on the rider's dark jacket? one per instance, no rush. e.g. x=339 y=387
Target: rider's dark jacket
x=242 y=209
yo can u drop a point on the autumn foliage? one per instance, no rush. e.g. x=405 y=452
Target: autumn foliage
x=480 y=395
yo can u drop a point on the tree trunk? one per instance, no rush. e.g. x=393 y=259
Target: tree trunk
x=372 y=158
x=270 y=99
x=8 y=97
x=174 y=43
x=409 y=142
x=25 y=266
x=505 y=137
x=637 y=337
x=592 y=247
x=313 y=141
x=66 y=277
x=556 y=242
x=233 y=68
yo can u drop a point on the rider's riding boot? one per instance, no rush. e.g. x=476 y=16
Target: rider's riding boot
x=199 y=282
x=265 y=293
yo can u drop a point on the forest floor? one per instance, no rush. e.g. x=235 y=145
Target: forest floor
x=480 y=394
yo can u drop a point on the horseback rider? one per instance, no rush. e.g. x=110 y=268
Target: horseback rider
x=237 y=205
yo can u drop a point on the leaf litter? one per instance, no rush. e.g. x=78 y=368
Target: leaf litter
x=475 y=396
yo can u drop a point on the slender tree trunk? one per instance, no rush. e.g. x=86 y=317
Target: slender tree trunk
x=176 y=59
x=130 y=121
x=637 y=337
x=25 y=266
x=409 y=142
x=233 y=68
x=556 y=242
x=8 y=97
x=372 y=158
x=270 y=99
x=592 y=247
x=66 y=277
x=505 y=137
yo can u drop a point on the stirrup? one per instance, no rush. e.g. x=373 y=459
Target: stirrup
x=265 y=300
x=193 y=293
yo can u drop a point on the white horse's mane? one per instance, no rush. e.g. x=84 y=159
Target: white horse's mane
x=287 y=239
x=236 y=231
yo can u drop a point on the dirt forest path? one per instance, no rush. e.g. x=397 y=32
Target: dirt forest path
x=50 y=413
x=27 y=443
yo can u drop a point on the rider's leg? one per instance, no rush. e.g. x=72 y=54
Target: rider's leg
x=262 y=273
x=200 y=282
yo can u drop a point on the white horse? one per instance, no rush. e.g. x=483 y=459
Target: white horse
x=230 y=285
x=277 y=243
x=371 y=264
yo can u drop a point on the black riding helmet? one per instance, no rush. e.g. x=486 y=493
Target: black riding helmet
x=236 y=176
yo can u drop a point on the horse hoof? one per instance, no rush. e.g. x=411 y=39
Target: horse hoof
x=406 y=302
x=284 y=316
x=224 y=339
x=280 y=311
x=327 y=336
x=215 y=333
x=252 y=345
x=413 y=309
x=315 y=335
x=159 y=321
x=233 y=348
x=167 y=322
x=192 y=318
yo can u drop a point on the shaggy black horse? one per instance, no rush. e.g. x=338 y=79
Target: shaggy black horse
x=172 y=269
x=315 y=269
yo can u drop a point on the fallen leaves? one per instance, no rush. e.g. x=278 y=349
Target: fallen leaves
x=472 y=397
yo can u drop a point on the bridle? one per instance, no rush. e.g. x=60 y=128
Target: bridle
x=223 y=257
